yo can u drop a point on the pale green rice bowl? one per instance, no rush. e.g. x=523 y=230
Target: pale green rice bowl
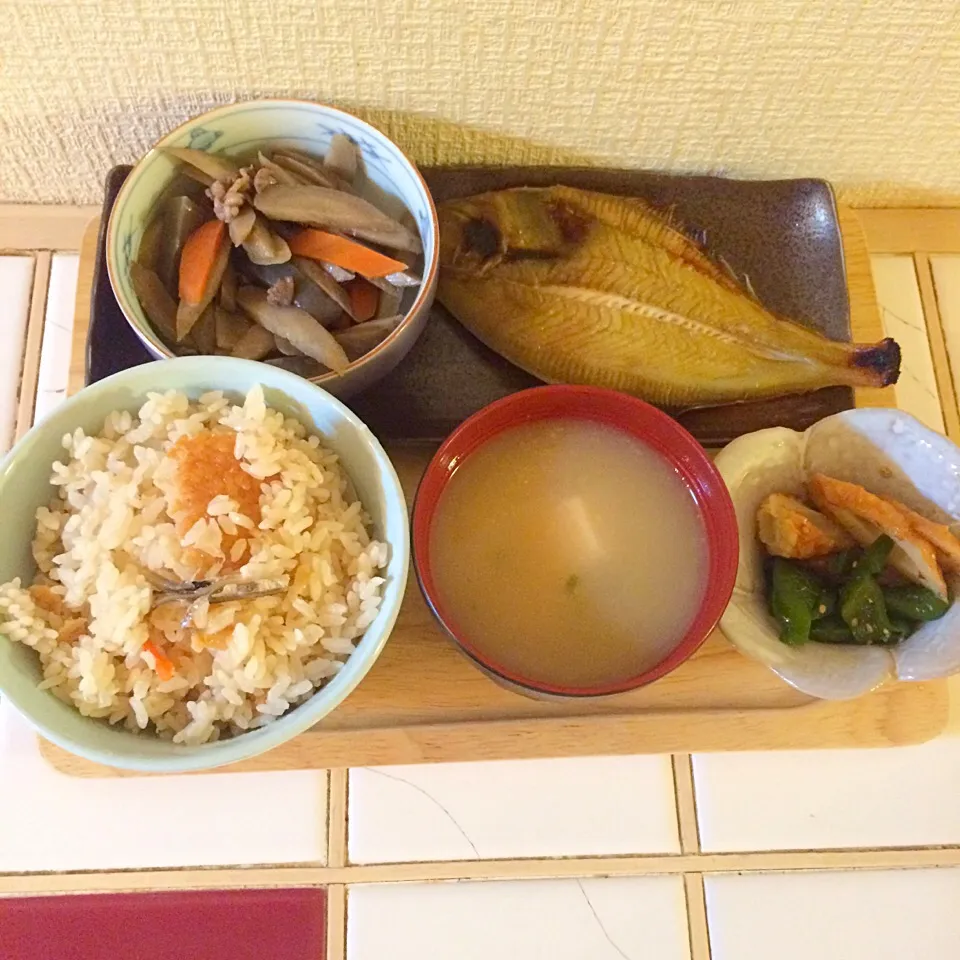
x=82 y=655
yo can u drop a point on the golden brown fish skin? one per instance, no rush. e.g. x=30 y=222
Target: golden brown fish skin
x=530 y=327
x=581 y=287
x=560 y=218
x=637 y=219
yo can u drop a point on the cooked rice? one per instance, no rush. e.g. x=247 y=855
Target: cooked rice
x=244 y=663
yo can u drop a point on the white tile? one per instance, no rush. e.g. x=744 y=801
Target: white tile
x=601 y=919
x=57 y=334
x=901 y=311
x=946 y=279
x=829 y=798
x=49 y=821
x=16 y=281
x=521 y=808
x=860 y=915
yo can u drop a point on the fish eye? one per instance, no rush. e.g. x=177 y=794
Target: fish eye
x=482 y=237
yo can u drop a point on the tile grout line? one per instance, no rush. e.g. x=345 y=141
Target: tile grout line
x=686 y=802
x=697 y=918
x=685 y=794
x=338 y=786
x=336 y=922
x=938 y=346
x=950 y=363
x=893 y=858
x=33 y=344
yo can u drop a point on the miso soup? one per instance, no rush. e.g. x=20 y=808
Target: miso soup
x=568 y=553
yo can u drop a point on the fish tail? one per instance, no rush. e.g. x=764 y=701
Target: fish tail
x=863 y=364
x=877 y=364
x=859 y=364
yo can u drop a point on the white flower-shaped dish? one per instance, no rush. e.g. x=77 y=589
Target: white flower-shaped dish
x=890 y=454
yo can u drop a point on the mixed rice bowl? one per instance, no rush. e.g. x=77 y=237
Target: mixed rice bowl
x=187 y=491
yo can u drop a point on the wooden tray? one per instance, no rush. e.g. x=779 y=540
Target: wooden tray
x=423 y=701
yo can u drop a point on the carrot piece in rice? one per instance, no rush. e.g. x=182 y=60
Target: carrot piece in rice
x=164 y=665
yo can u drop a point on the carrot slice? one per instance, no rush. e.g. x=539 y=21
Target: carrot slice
x=320 y=245
x=200 y=254
x=164 y=663
x=364 y=298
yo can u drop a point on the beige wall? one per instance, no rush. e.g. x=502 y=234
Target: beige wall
x=860 y=92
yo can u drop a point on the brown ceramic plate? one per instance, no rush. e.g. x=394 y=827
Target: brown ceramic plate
x=782 y=234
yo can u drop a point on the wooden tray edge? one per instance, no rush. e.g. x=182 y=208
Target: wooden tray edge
x=900 y=715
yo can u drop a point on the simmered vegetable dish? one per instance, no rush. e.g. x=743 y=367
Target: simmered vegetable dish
x=279 y=259
x=853 y=568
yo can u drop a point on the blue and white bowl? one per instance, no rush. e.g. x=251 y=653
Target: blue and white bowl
x=242 y=129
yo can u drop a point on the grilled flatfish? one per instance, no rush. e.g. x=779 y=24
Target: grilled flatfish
x=582 y=287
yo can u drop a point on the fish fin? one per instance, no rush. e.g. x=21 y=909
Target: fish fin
x=742 y=286
x=637 y=219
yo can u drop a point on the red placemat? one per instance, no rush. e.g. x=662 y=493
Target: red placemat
x=202 y=925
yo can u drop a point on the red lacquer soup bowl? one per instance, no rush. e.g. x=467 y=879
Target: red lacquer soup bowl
x=637 y=420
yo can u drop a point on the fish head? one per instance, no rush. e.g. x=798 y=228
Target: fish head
x=480 y=232
x=470 y=237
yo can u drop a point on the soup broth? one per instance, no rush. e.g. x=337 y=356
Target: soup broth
x=568 y=553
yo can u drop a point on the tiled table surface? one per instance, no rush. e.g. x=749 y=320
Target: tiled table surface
x=720 y=881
